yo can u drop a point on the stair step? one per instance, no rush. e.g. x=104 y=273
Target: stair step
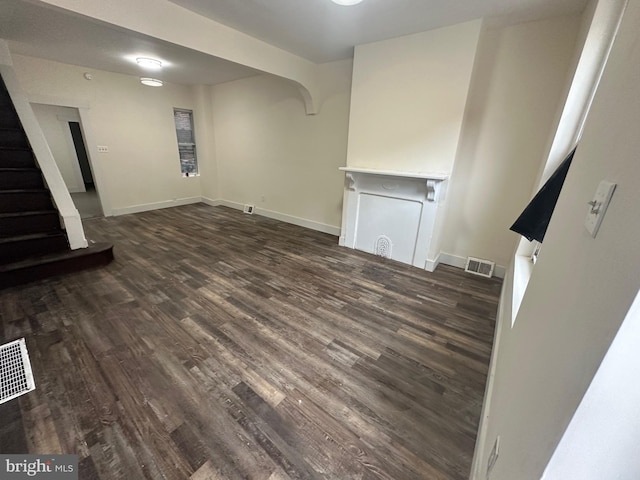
x=5 y=99
x=13 y=137
x=25 y=200
x=21 y=247
x=16 y=158
x=20 y=178
x=25 y=223
x=9 y=118
x=32 y=243
x=36 y=268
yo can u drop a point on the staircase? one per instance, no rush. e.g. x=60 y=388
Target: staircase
x=33 y=244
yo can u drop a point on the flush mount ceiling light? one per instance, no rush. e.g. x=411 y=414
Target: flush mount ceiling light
x=151 y=82
x=150 y=63
x=347 y=2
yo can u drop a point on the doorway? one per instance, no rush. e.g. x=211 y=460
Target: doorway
x=87 y=202
x=63 y=129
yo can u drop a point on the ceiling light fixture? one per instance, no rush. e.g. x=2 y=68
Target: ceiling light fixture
x=151 y=82
x=347 y=2
x=150 y=63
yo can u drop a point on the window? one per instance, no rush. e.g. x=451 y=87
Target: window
x=532 y=224
x=183 y=120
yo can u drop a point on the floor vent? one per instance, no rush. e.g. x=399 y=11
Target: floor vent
x=478 y=266
x=383 y=246
x=16 y=377
x=248 y=209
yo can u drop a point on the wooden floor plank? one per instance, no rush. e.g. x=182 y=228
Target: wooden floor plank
x=224 y=346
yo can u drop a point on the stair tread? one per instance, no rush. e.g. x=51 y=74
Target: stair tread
x=25 y=190
x=28 y=212
x=19 y=169
x=15 y=147
x=31 y=236
x=93 y=248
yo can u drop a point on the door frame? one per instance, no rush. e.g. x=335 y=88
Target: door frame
x=86 y=126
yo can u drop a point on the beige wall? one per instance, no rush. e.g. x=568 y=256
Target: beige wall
x=581 y=288
x=54 y=122
x=408 y=99
x=256 y=145
x=269 y=153
x=205 y=138
x=254 y=139
x=518 y=82
x=141 y=169
x=202 y=34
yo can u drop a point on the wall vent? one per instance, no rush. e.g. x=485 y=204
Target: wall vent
x=478 y=266
x=16 y=377
x=249 y=209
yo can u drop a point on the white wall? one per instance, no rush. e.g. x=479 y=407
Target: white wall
x=408 y=99
x=141 y=169
x=54 y=122
x=520 y=76
x=602 y=439
x=581 y=288
x=270 y=154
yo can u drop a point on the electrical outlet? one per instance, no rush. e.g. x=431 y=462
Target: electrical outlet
x=248 y=209
x=103 y=149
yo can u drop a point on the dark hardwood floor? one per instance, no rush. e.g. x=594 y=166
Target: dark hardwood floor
x=220 y=345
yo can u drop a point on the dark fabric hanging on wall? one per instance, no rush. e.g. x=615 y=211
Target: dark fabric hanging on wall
x=533 y=221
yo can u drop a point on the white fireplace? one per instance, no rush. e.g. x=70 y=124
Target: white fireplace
x=392 y=214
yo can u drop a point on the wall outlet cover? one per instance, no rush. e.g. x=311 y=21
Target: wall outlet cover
x=248 y=209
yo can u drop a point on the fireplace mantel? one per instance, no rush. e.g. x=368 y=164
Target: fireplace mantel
x=392 y=213
x=395 y=173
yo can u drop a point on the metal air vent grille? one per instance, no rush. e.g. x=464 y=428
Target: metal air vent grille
x=478 y=266
x=16 y=377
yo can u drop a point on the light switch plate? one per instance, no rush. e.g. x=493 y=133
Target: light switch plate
x=598 y=207
x=103 y=149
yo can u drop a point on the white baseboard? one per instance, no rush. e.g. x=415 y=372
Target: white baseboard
x=210 y=201
x=452 y=260
x=145 y=207
x=224 y=203
x=460 y=262
x=478 y=465
x=301 y=222
x=431 y=265
x=283 y=217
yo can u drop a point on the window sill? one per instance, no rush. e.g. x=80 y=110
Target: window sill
x=191 y=176
x=522 y=269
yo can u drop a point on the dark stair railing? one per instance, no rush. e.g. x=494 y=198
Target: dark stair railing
x=33 y=243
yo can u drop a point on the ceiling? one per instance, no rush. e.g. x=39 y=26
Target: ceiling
x=322 y=31
x=317 y=30
x=43 y=32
